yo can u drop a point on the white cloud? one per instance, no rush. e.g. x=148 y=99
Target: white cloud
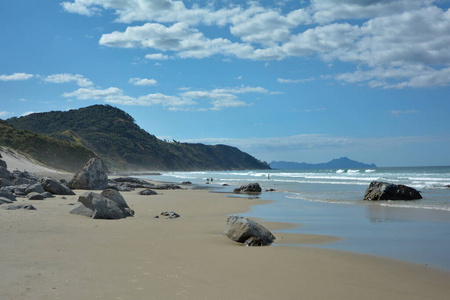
x=16 y=77
x=374 y=35
x=5 y=114
x=142 y=81
x=157 y=56
x=325 y=11
x=94 y=94
x=80 y=7
x=65 y=78
x=29 y=113
x=302 y=80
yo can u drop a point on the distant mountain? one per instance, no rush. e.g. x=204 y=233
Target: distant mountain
x=114 y=136
x=338 y=163
x=52 y=152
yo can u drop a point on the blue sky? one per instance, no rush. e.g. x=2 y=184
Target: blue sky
x=304 y=81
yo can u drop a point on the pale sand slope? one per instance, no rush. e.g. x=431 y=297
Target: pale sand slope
x=22 y=162
x=51 y=254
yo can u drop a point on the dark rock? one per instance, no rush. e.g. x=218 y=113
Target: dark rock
x=129 y=183
x=25 y=175
x=5 y=182
x=35 y=188
x=270 y=190
x=186 y=182
x=168 y=186
x=147 y=192
x=5 y=174
x=35 y=196
x=170 y=214
x=4 y=200
x=7 y=194
x=19 y=206
x=93 y=176
x=3 y=164
x=387 y=191
x=52 y=186
x=243 y=230
x=47 y=195
x=96 y=206
x=225 y=184
x=251 y=188
x=120 y=188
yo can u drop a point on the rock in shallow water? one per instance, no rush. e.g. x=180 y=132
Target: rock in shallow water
x=249 y=188
x=378 y=190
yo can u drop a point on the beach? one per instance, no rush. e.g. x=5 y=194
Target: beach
x=51 y=254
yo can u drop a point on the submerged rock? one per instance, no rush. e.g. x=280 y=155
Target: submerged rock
x=248 y=232
x=378 y=190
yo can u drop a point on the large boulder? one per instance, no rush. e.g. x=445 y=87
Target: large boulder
x=378 y=190
x=36 y=188
x=93 y=176
x=96 y=206
x=115 y=196
x=243 y=230
x=55 y=187
x=251 y=188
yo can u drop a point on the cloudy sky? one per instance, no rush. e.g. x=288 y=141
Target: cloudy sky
x=304 y=81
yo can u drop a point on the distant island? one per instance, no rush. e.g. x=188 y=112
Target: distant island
x=338 y=163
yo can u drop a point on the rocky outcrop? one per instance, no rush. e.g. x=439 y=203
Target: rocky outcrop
x=56 y=188
x=251 y=188
x=93 y=176
x=378 y=190
x=97 y=206
x=34 y=188
x=243 y=230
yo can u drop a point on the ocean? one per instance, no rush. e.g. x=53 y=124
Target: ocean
x=329 y=202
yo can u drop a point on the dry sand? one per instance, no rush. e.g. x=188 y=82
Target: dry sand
x=51 y=254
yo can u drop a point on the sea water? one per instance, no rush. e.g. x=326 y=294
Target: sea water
x=330 y=202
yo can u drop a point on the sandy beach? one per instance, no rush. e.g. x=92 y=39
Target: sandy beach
x=51 y=254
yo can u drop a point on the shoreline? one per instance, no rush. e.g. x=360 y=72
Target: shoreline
x=51 y=254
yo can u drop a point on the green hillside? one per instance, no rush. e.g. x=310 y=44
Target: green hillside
x=114 y=136
x=49 y=151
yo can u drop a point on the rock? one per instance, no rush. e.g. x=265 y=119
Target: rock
x=168 y=186
x=56 y=188
x=249 y=188
x=387 y=191
x=7 y=194
x=35 y=188
x=3 y=164
x=47 y=195
x=115 y=196
x=19 y=206
x=128 y=183
x=93 y=176
x=148 y=192
x=96 y=206
x=271 y=190
x=186 y=183
x=4 y=182
x=170 y=214
x=35 y=196
x=243 y=230
x=4 y=200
